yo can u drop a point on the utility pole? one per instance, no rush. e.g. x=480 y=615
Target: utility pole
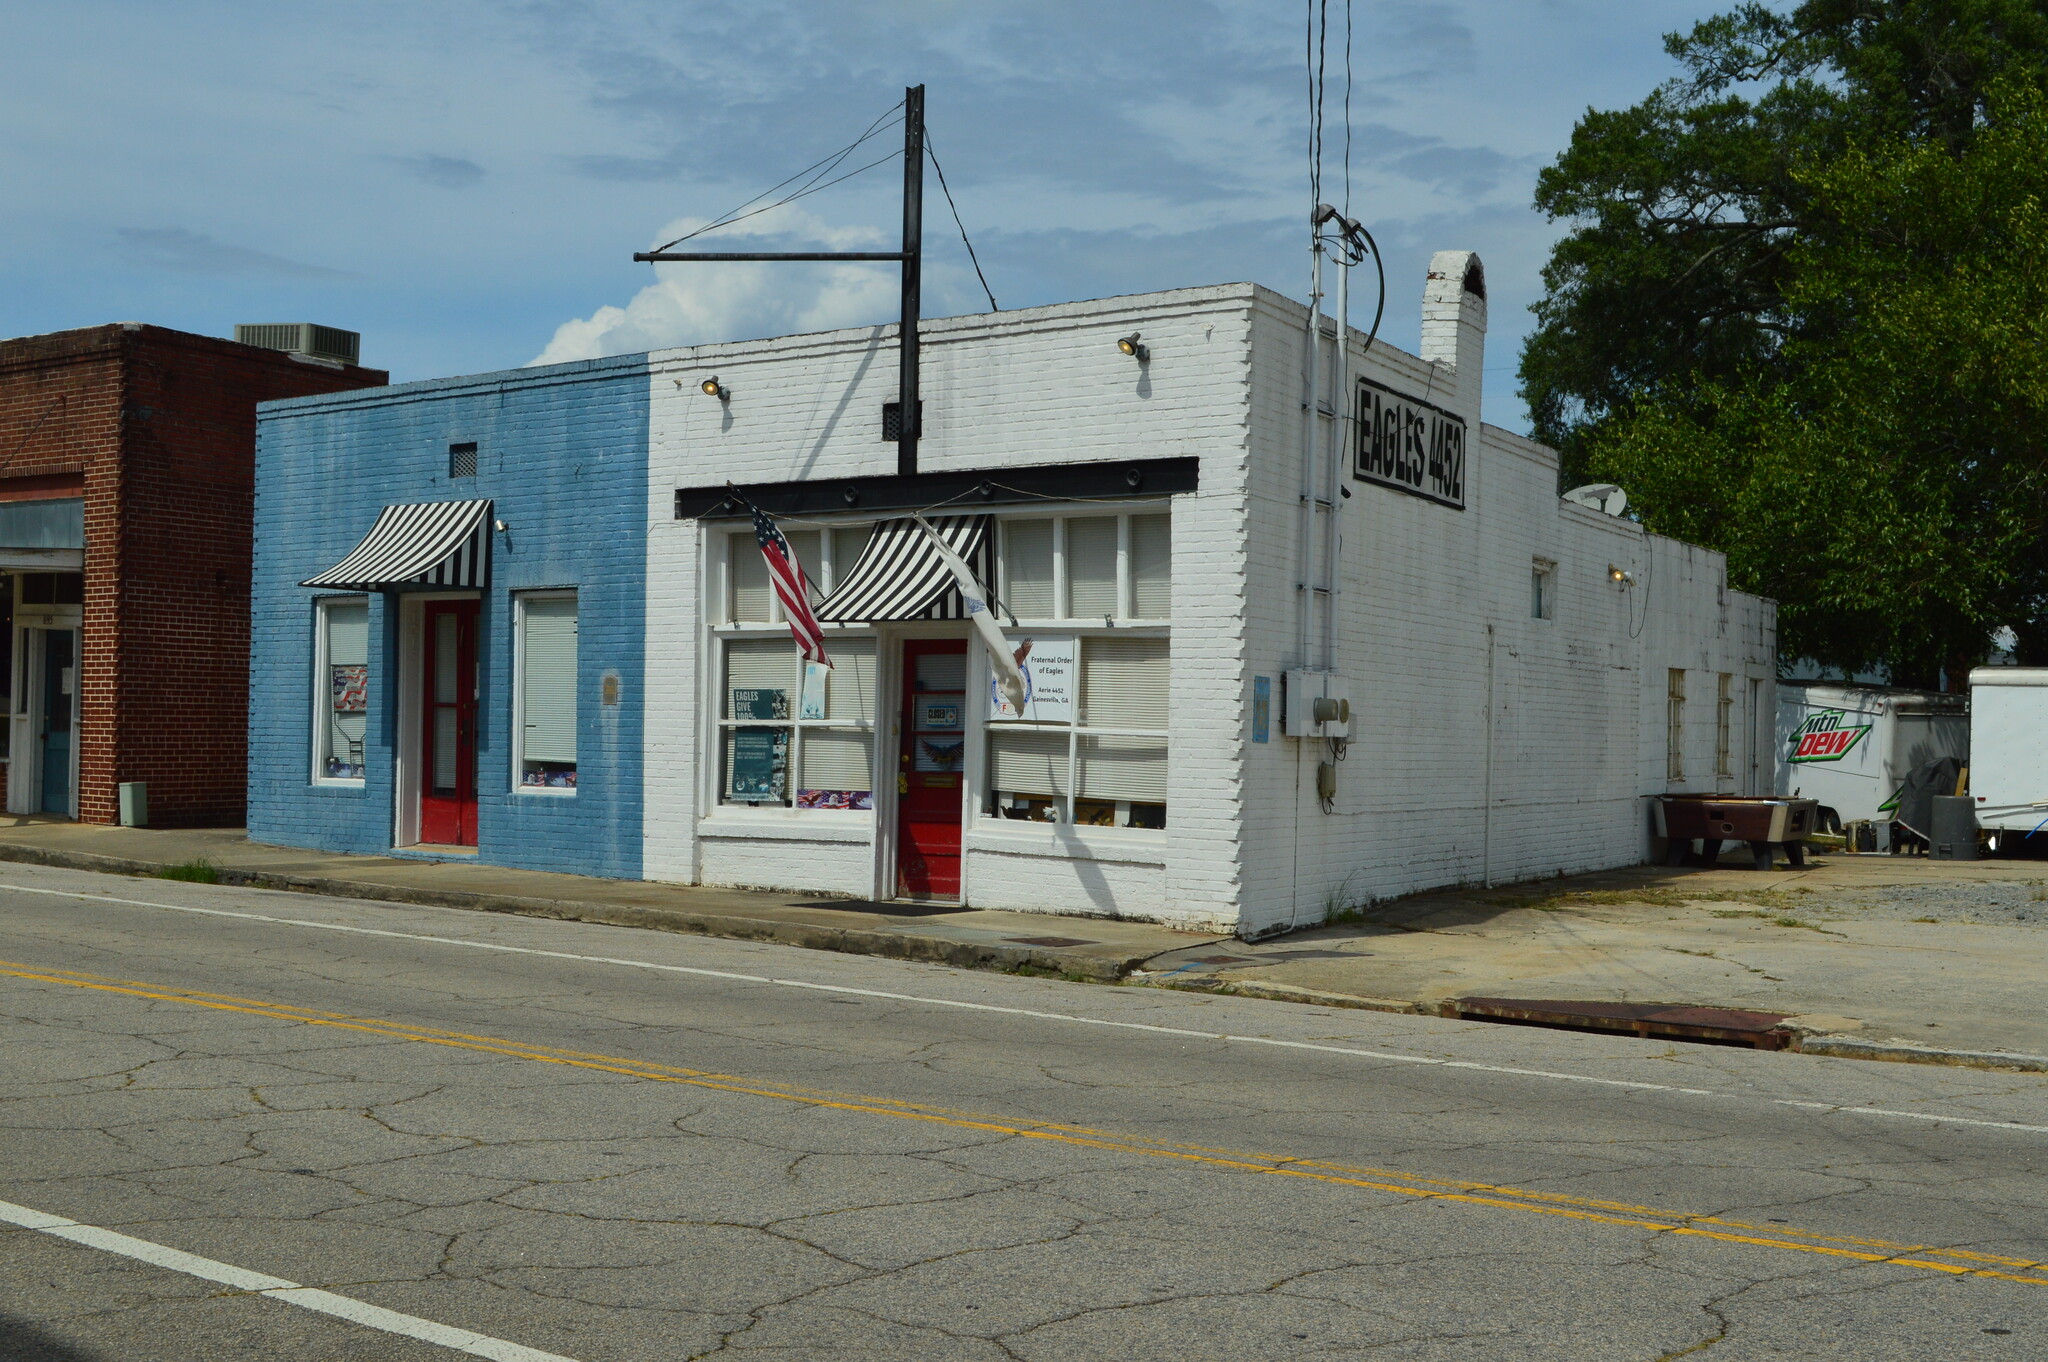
x=907 y=422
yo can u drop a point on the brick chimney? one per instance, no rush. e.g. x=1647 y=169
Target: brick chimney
x=1454 y=327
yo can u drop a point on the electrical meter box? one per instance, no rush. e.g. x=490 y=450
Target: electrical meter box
x=1316 y=705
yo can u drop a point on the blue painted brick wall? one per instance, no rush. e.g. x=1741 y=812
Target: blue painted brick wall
x=562 y=451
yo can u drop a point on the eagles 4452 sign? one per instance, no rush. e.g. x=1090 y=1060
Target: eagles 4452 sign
x=1409 y=445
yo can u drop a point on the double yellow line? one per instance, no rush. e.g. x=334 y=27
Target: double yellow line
x=1956 y=1262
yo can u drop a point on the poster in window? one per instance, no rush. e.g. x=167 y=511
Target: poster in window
x=942 y=715
x=760 y=703
x=760 y=761
x=835 y=799
x=351 y=688
x=1050 y=671
x=811 y=703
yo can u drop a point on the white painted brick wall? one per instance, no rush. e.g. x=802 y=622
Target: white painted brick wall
x=1014 y=389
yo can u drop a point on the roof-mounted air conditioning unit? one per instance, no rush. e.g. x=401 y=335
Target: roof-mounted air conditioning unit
x=303 y=338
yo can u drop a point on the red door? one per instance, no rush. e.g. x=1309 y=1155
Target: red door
x=448 y=728
x=928 y=785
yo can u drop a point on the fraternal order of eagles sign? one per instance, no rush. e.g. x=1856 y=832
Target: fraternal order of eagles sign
x=1409 y=445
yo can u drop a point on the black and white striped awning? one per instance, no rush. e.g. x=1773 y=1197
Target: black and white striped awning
x=900 y=575
x=436 y=543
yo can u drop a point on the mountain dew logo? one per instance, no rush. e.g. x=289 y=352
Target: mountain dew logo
x=1824 y=737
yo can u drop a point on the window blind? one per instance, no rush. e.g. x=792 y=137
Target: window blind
x=761 y=664
x=850 y=693
x=751 y=593
x=847 y=543
x=805 y=544
x=348 y=645
x=1125 y=683
x=1091 y=567
x=1027 y=569
x=548 y=679
x=348 y=634
x=1123 y=768
x=1028 y=762
x=837 y=759
x=1151 y=567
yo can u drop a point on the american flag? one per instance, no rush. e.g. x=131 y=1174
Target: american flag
x=792 y=588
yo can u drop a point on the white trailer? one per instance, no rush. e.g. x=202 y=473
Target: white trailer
x=1851 y=747
x=2009 y=732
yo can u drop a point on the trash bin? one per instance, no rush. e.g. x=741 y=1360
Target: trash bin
x=1953 y=829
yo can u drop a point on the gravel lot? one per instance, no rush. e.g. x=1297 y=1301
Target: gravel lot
x=2004 y=904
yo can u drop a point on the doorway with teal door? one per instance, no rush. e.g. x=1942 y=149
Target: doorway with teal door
x=57 y=729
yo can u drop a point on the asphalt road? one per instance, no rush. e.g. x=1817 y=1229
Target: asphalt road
x=241 y=1124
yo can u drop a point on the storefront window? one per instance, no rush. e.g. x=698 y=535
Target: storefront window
x=1095 y=567
x=826 y=555
x=796 y=734
x=547 y=688
x=1107 y=766
x=341 y=689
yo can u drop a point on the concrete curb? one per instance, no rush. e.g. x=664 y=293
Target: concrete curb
x=812 y=936
x=1285 y=993
x=1848 y=1047
x=1802 y=1042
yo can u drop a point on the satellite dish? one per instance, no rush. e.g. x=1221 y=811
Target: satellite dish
x=1604 y=497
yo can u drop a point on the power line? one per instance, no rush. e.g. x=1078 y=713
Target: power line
x=821 y=168
x=971 y=256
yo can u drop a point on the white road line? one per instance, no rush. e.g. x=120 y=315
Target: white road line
x=277 y=1288
x=1071 y=1018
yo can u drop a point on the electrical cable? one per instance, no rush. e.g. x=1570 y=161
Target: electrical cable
x=971 y=256
x=1347 y=108
x=821 y=168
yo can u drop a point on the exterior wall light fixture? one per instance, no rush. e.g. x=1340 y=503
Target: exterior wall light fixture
x=1620 y=576
x=1133 y=347
x=711 y=387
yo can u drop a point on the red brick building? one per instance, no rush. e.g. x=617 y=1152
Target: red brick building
x=127 y=487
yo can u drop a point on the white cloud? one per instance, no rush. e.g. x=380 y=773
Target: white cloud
x=699 y=304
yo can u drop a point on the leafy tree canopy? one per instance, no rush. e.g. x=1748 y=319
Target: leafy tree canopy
x=1800 y=318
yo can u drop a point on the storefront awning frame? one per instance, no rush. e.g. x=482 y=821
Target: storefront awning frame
x=422 y=544
x=948 y=491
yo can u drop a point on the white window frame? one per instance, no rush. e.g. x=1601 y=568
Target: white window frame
x=520 y=599
x=323 y=697
x=824 y=573
x=1062 y=594
x=1674 y=723
x=1543 y=588
x=723 y=636
x=1724 y=726
x=984 y=813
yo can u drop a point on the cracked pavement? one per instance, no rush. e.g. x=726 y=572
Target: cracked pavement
x=616 y=1163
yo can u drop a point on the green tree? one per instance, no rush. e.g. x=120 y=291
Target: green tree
x=1884 y=472
x=1775 y=322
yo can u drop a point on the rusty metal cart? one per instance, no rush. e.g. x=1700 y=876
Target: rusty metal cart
x=1764 y=822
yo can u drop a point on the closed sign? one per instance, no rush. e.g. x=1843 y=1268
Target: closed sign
x=1409 y=445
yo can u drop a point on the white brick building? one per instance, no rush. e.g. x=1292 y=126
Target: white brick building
x=1522 y=671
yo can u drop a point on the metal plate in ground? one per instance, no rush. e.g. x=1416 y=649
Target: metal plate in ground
x=1669 y=1021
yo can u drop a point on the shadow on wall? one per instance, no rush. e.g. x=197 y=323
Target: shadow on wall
x=1093 y=882
x=21 y=1341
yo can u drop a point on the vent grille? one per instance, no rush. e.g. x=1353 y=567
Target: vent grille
x=892 y=420
x=303 y=338
x=462 y=460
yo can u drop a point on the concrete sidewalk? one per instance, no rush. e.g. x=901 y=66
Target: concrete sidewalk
x=1880 y=956
x=1876 y=956
x=1098 y=949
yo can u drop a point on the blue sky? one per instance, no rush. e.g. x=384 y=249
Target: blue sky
x=465 y=181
